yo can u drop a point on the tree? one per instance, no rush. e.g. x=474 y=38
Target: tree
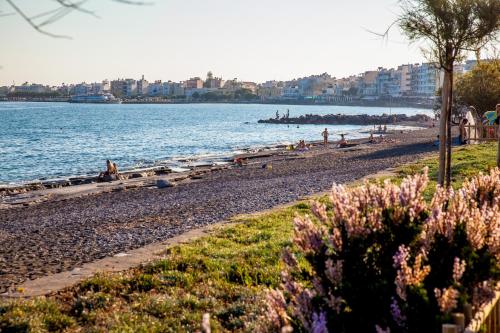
x=451 y=28
x=64 y=7
x=480 y=87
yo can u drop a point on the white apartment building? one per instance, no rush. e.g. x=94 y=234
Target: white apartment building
x=425 y=80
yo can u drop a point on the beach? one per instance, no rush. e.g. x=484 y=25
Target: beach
x=63 y=230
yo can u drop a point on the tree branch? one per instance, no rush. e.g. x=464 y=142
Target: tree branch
x=32 y=24
x=65 y=8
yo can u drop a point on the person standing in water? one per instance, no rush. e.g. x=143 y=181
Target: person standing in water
x=325 y=137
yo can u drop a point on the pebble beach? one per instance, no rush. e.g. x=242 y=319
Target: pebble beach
x=61 y=233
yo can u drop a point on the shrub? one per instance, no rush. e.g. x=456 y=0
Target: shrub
x=384 y=259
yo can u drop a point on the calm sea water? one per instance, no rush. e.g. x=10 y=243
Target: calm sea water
x=56 y=140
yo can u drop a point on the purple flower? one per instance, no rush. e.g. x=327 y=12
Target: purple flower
x=319 y=323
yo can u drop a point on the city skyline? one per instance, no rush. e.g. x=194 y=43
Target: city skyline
x=176 y=40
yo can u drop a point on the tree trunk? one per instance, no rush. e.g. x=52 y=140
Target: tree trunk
x=443 y=119
x=448 y=129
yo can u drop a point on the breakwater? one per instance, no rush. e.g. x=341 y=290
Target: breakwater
x=343 y=119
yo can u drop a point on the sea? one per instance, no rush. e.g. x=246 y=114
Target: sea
x=44 y=141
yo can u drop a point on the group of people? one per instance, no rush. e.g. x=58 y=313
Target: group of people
x=381 y=129
x=372 y=139
x=285 y=115
x=468 y=132
x=342 y=142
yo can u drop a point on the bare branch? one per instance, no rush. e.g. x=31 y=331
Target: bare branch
x=65 y=7
x=136 y=3
x=6 y=14
x=76 y=6
x=32 y=24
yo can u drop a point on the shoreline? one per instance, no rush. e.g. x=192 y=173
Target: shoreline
x=184 y=165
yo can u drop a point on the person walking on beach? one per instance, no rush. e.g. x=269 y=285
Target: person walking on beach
x=325 y=137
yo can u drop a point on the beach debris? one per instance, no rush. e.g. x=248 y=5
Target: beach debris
x=267 y=166
x=109 y=178
x=163 y=183
x=137 y=175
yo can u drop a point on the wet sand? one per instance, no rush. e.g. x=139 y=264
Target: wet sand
x=58 y=231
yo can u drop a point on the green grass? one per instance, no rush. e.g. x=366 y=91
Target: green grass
x=224 y=274
x=467 y=161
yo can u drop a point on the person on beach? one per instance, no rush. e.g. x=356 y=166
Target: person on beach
x=302 y=145
x=371 y=139
x=385 y=128
x=462 y=136
x=238 y=161
x=343 y=142
x=325 y=137
x=111 y=169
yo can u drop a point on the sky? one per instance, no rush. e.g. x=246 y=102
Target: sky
x=255 y=40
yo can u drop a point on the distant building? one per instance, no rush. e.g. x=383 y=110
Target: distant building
x=231 y=85
x=106 y=86
x=252 y=86
x=155 y=89
x=4 y=91
x=194 y=83
x=368 y=84
x=213 y=82
x=124 y=88
x=389 y=82
x=82 y=89
x=425 y=80
x=142 y=87
x=269 y=92
x=173 y=89
x=405 y=79
x=31 y=88
x=291 y=92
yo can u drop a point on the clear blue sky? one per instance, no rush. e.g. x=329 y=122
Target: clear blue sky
x=175 y=39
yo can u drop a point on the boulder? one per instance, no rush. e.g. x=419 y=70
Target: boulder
x=162 y=183
x=109 y=178
x=137 y=175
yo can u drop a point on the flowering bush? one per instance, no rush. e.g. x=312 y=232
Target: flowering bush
x=383 y=259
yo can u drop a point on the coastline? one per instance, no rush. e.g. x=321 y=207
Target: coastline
x=188 y=165
x=390 y=103
x=61 y=229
